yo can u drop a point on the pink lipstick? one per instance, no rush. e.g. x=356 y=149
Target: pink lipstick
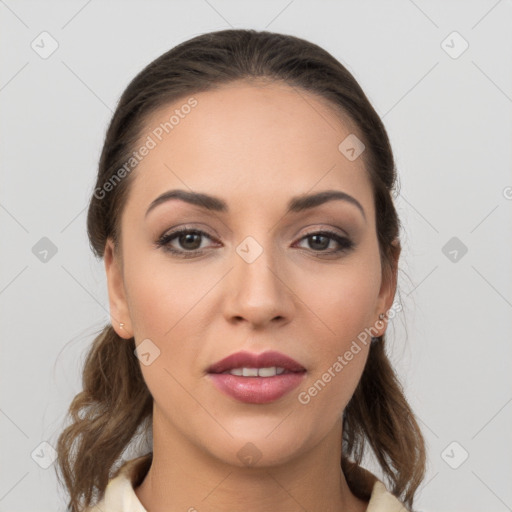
x=256 y=378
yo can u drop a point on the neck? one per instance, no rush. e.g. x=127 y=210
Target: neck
x=183 y=476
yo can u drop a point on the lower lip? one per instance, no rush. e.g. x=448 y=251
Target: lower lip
x=256 y=390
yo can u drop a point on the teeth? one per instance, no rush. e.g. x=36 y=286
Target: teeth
x=267 y=372
x=257 y=372
x=250 y=372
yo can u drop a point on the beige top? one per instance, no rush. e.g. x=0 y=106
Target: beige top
x=120 y=495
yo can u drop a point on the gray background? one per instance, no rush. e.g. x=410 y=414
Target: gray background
x=449 y=119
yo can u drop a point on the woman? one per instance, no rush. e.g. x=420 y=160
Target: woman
x=243 y=209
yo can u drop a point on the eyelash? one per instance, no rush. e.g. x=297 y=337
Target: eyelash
x=346 y=245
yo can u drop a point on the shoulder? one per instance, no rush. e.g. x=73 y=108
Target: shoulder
x=382 y=500
x=119 y=494
x=365 y=485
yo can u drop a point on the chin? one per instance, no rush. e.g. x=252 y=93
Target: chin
x=257 y=448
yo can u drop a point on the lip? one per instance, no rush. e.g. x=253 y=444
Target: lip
x=249 y=360
x=256 y=390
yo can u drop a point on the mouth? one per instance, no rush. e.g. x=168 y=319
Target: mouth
x=266 y=364
x=256 y=378
x=270 y=371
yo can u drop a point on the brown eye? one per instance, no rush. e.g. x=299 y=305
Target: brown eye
x=321 y=240
x=190 y=241
x=183 y=242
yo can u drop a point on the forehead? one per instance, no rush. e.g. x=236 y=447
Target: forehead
x=251 y=140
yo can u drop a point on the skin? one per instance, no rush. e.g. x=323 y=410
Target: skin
x=255 y=145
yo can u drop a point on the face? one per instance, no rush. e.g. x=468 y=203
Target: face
x=259 y=272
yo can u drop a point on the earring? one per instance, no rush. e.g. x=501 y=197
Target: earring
x=121 y=326
x=374 y=339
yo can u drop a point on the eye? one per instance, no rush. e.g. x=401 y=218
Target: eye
x=190 y=241
x=319 y=241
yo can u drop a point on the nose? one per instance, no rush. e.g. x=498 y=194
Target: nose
x=258 y=293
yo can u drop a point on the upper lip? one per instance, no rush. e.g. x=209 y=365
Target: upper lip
x=249 y=360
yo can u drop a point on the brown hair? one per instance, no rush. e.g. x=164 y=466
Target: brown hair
x=115 y=402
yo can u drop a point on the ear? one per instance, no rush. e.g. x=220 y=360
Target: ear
x=119 y=313
x=387 y=289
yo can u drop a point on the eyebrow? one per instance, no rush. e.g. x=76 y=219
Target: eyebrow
x=295 y=205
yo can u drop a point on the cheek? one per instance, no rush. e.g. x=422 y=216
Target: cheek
x=340 y=305
x=164 y=304
x=160 y=294
x=342 y=298
x=170 y=305
x=339 y=343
